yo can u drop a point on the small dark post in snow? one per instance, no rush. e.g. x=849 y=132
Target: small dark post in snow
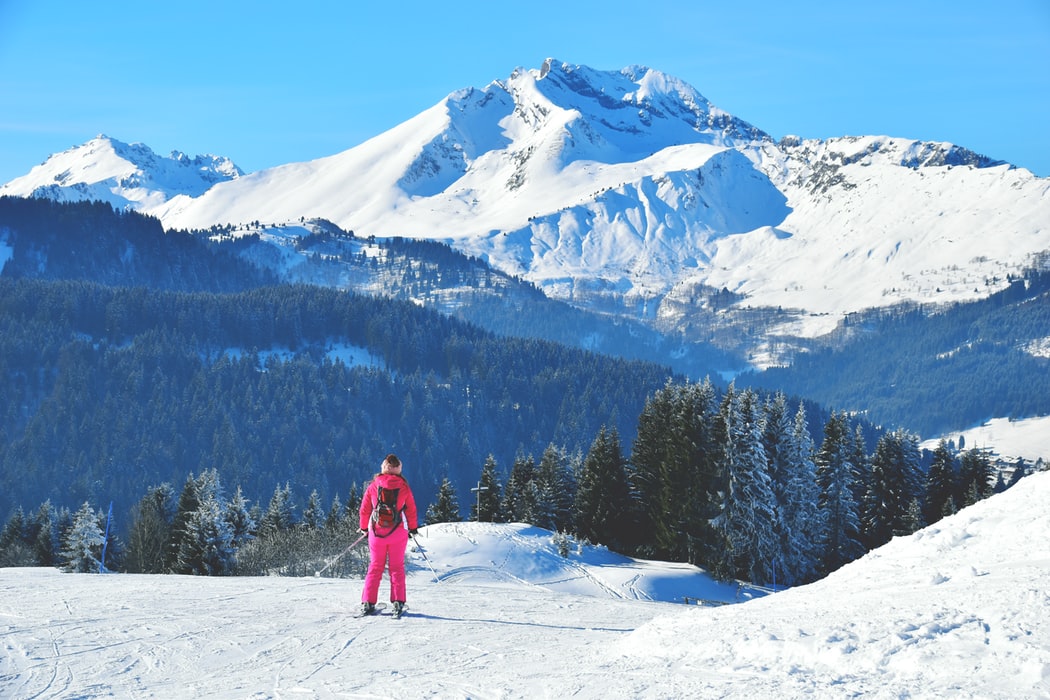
x=478 y=489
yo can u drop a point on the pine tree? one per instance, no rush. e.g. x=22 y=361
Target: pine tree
x=776 y=442
x=45 y=541
x=556 y=491
x=335 y=515
x=795 y=489
x=975 y=475
x=602 y=499
x=896 y=482
x=280 y=513
x=519 y=495
x=313 y=513
x=940 y=484
x=83 y=543
x=747 y=521
x=676 y=472
x=238 y=516
x=14 y=530
x=150 y=531
x=207 y=547
x=446 y=508
x=14 y=541
x=353 y=505
x=858 y=457
x=836 y=479
x=189 y=501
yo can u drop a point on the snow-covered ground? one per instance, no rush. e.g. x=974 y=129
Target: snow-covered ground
x=960 y=609
x=1009 y=439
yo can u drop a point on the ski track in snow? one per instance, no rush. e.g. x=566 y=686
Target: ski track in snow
x=959 y=610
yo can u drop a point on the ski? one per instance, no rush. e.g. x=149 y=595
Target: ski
x=361 y=613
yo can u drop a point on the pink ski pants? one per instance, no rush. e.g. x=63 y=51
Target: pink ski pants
x=381 y=550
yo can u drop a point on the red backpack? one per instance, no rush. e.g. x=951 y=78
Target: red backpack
x=385 y=516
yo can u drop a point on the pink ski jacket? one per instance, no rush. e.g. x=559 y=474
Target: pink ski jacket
x=406 y=502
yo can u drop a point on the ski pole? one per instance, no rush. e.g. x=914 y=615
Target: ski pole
x=317 y=574
x=426 y=559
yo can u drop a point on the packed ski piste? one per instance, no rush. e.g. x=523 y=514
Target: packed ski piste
x=959 y=609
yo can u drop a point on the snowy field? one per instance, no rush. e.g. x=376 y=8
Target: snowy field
x=959 y=610
x=1009 y=439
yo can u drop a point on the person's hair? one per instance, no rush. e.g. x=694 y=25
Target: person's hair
x=393 y=460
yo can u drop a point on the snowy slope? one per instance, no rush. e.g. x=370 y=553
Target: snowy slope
x=957 y=610
x=877 y=221
x=1004 y=438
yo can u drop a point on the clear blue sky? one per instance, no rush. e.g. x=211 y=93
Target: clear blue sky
x=267 y=83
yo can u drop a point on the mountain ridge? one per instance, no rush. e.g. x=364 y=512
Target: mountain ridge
x=628 y=193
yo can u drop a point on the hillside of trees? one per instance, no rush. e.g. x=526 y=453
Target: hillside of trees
x=924 y=368
x=90 y=241
x=109 y=390
x=934 y=370
x=734 y=483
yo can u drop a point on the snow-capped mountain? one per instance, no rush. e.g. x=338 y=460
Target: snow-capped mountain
x=629 y=193
x=124 y=175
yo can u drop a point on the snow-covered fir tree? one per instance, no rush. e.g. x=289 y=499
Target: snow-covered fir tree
x=446 y=508
x=238 y=515
x=836 y=480
x=207 y=548
x=747 y=520
x=556 y=491
x=895 y=483
x=82 y=548
x=803 y=519
x=789 y=449
x=280 y=513
x=519 y=495
x=975 y=476
x=940 y=484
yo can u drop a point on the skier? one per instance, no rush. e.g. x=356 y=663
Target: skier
x=388 y=515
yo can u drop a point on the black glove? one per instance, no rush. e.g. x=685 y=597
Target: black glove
x=413 y=531
x=364 y=530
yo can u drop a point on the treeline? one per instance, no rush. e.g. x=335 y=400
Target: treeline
x=935 y=369
x=106 y=391
x=466 y=288
x=732 y=483
x=735 y=484
x=91 y=241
